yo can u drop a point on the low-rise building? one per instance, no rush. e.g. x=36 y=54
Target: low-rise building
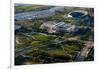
x=54 y=27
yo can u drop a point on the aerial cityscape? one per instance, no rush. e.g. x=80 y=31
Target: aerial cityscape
x=47 y=34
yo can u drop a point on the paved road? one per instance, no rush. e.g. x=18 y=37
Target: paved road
x=29 y=48
x=84 y=52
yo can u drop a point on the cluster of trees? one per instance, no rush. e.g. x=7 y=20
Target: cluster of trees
x=86 y=34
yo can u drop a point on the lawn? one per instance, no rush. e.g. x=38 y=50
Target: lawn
x=43 y=37
x=37 y=43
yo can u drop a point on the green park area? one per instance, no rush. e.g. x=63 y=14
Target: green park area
x=53 y=38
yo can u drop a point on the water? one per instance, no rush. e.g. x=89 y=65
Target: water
x=77 y=14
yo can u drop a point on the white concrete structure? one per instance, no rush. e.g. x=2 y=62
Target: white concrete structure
x=49 y=26
x=77 y=11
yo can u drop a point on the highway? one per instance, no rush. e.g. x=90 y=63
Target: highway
x=37 y=14
x=84 y=52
